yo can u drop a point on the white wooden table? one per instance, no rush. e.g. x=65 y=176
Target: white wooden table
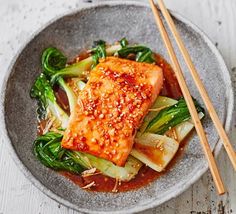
x=20 y=19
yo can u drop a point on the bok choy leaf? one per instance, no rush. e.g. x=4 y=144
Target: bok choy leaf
x=142 y=53
x=80 y=69
x=53 y=61
x=155 y=150
x=47 y=105
x=171 y=116
x=124 y=42
x=98 y=51
x=47 y=149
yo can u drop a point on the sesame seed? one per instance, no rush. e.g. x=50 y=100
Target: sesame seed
x=101 y=116
x=113 y=152
x=94 y=140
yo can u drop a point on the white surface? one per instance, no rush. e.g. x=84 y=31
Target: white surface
x=20 y=19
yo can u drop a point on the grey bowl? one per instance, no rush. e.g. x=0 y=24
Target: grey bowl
x=73 y=32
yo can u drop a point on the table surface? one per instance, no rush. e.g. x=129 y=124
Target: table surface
x=20 y=19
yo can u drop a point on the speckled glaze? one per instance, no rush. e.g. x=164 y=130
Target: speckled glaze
x=71 y=33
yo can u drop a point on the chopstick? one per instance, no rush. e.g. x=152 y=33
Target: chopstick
x=228 y=147
x=179 y=75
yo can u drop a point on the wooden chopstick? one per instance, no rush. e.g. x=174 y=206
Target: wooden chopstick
x=228 y=147
x=179 y=75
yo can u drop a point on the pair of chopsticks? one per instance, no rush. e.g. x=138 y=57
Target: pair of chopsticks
x=180 y=77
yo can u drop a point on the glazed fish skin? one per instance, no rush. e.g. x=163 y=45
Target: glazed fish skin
x=111 y=108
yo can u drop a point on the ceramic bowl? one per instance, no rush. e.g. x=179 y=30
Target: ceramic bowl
x=76 y=31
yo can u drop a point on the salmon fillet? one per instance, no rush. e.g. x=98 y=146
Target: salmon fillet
x=111 y=108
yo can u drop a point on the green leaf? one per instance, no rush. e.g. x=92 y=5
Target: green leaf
x=42 y=91
x=47 y=149
x=44 y=94
x=123 y=42
x=145 y=56
x=52 y=61
x=98 y=51
x=171 y=116
x=142 y=53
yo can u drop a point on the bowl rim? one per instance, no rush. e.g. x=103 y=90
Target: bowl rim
x=5 y=137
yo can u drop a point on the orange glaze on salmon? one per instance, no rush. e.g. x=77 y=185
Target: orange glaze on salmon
x=111 y=108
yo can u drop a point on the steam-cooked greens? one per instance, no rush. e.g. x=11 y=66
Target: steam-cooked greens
x=142 y=53
x=53 y=61
x=47 y=104
x=124 y=42
x=80 y=69
x=47 y=147
x=171 y=116
x=98 y=51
